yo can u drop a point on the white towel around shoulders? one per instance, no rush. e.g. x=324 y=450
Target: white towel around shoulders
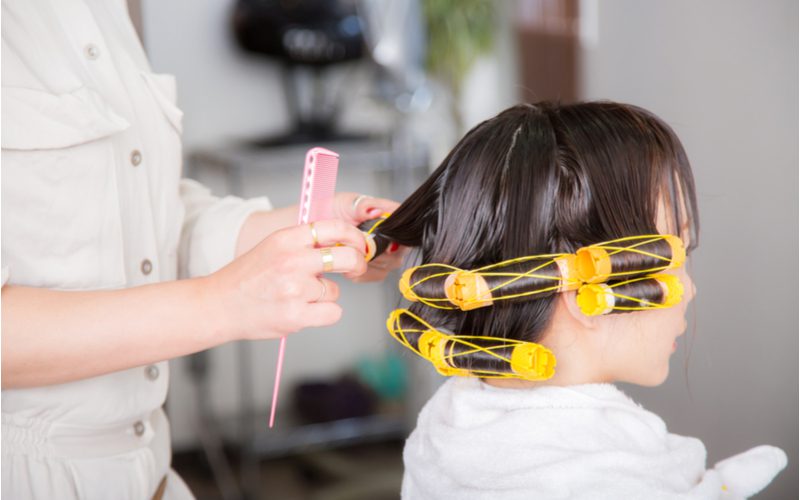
x=475 y=441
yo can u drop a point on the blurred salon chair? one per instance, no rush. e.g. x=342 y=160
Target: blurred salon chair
x=307 y=38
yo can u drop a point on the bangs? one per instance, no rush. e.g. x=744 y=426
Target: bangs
x=676 y=191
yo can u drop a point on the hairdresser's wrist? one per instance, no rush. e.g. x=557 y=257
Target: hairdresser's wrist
x=214 y=316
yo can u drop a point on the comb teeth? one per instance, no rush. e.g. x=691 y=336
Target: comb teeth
x=319 y=185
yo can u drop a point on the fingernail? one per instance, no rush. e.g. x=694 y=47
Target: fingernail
x=393 y=247
x=374 y=212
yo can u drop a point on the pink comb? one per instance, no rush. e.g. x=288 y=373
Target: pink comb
x=316 y=203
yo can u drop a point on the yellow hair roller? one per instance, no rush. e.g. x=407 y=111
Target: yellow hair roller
x=462 y=355
x=628 y=257
x=467 y=290
x=376 y=242
x=443 y=286
x=426 y=284
x=533 y=361
x=657 y=291
x=432 y=346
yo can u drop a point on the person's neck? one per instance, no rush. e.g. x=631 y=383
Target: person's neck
x=576 y=364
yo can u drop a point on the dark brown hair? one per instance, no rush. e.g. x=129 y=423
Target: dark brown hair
x=540 y=179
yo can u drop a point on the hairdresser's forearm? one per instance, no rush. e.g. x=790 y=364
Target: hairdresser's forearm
x=52 y=337
x=261 y=224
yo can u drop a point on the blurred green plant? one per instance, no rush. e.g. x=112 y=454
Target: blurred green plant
x=459 y=31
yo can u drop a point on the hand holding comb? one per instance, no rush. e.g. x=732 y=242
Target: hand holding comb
x=316 y=203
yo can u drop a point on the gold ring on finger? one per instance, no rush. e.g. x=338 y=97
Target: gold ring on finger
x=327 y=259
x=314 y=234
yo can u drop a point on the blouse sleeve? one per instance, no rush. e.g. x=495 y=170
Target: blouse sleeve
x=211 y=228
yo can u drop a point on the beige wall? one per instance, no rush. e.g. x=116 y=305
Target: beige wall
x=724 y=74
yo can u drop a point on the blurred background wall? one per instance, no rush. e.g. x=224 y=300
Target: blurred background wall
x=723 y=73
x=724 y=76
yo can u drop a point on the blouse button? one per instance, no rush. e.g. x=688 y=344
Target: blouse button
x=91 y=51
x=136 y=157
x=147 y=266
x=138 y=428
x=152 y=372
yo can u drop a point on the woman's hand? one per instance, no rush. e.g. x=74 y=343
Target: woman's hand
x=276 y=289
x=351 y=208
x=270 y=291
x=355 y=209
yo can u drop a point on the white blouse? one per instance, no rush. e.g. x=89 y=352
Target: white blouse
x=92 y=199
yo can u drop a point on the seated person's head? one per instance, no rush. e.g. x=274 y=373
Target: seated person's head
x=550 y=179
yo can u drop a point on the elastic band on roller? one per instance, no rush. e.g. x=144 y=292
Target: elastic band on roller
x=376 y=242
x=602 y=298
x=470 y=289
x=603 y=261
x=527 y=360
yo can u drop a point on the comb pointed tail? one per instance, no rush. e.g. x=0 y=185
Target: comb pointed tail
x=277 y=386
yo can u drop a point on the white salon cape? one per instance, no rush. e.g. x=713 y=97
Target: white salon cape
x=92 y=200
x=475 y=441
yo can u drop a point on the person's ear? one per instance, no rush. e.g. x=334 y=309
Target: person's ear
x=570 y=303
